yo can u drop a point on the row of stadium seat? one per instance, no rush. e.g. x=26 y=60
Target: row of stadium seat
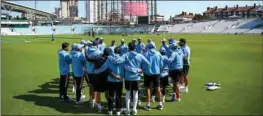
x=253 y=26
x=79 y=29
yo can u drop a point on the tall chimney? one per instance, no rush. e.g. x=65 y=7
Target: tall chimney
x=237 y=6
x=216 y=7
x=226 y=7
x=254 y=5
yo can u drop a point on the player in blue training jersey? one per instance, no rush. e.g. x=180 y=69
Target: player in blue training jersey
x=152 y=74
x=90 y=70
x=64 y=62
x=72 y=52
x=99 y=79
x=123 y=47
x=147 y=45
x=102 y=45
x=186 y=52
x=175 y=59
x=140 y=46
x=78 y=68
x=115 y=80
x=164 y=45
x=164 y=74
x=112 y=46
x=133 y=60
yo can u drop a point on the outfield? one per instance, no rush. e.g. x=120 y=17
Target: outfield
x=30 y=76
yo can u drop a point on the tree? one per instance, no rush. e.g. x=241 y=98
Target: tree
x=198 y=17
x=17 y=17
x=23 y=18
x=210 y=17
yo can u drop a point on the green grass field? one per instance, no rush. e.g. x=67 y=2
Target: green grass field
x=30 y=76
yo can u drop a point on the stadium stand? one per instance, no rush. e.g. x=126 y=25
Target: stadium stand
x=252 y=26
x=9 y=31
x=237 y=26
x=163 y=28
x=199 y=27
x=177 y=28
x=249 y=26
x=220 y=26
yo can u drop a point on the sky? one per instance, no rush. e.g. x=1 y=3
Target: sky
x=166 y=8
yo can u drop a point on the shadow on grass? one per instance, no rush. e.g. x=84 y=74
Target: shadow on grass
x=48 y=87
x=53 y=102
x=39 y=98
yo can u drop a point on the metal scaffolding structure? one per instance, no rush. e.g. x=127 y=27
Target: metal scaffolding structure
x=111 y=11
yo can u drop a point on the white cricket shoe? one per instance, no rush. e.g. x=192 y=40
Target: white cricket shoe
x=100 y=107
x=92 y=103
x=110 y=113
x=127 y=113
x=118 y=113
x=80 y=101
x=133 y=112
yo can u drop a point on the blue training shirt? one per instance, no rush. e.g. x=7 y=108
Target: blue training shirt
x=165 y=68
x=139 y=48
x=133 y=60
x=116 y=66
x=78 y=64
x=92 y=51
x=156 y=62
x=102 y=47
x=64 y=62
x=124 y=49
x=175 y=59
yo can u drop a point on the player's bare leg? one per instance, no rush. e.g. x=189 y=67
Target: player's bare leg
x=148 y=99
x=159 y=94
x=98 y=101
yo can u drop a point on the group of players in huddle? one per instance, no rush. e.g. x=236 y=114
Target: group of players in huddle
x=105 y=69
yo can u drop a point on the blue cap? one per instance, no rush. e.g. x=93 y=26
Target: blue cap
x=151 y=45
x=173 y=45
x=74 y=46
x=171 y=41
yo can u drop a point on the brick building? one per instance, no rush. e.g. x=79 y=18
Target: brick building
x=226 y=12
